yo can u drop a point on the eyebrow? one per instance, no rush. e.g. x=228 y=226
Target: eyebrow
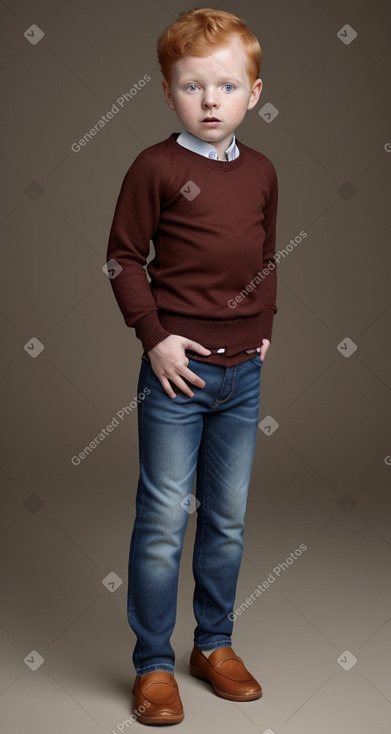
x=223 y=80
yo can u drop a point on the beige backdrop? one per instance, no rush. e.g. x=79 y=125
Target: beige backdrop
x=319 y=636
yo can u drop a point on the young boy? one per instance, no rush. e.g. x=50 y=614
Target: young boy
x=209 y=204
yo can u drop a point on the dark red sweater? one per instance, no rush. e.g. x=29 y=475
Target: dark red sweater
x=213 y=226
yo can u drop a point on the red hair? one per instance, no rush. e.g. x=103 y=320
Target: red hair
x=201 y=31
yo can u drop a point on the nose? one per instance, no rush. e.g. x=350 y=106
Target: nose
x=210 y=98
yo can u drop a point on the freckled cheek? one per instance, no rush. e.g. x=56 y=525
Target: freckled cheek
x=240 y=106
x=187 y=108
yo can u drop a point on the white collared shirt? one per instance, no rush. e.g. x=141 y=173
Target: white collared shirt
x=191 y=142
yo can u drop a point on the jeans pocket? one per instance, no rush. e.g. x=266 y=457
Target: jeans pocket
x=257 y=360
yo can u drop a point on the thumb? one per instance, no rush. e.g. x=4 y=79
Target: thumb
x=195 y=347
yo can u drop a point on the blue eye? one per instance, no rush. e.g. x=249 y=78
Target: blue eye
x=191 y=85
x=228 y=84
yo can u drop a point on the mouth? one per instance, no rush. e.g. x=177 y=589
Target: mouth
x=210 y=122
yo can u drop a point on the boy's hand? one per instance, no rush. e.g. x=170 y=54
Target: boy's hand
x=265 y=346
x=169 y=362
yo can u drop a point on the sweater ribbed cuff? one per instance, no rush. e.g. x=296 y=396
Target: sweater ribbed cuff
x=150 y=331
x=267 y=323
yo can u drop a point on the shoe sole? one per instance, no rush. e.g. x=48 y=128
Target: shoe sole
x=219 y=691
x=155 y=721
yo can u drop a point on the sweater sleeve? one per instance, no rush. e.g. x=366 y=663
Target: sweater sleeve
x=269 y=284
x=135 y=221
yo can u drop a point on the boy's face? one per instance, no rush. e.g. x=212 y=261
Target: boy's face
x=212 y=86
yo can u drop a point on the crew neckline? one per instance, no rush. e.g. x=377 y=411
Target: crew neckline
x=208 y=162
x=190 y=141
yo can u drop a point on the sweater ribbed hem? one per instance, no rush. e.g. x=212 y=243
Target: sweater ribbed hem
x=234 y=336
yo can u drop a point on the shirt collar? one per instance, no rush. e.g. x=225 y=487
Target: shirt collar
x=191 y=142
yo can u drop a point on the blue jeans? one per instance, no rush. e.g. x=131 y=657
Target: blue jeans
x=213 y=433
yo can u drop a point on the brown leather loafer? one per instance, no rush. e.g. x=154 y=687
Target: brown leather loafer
x=157 y=699
x=226 y=674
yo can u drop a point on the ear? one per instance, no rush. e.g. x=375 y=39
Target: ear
x=167 y=95
x=255 y=93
